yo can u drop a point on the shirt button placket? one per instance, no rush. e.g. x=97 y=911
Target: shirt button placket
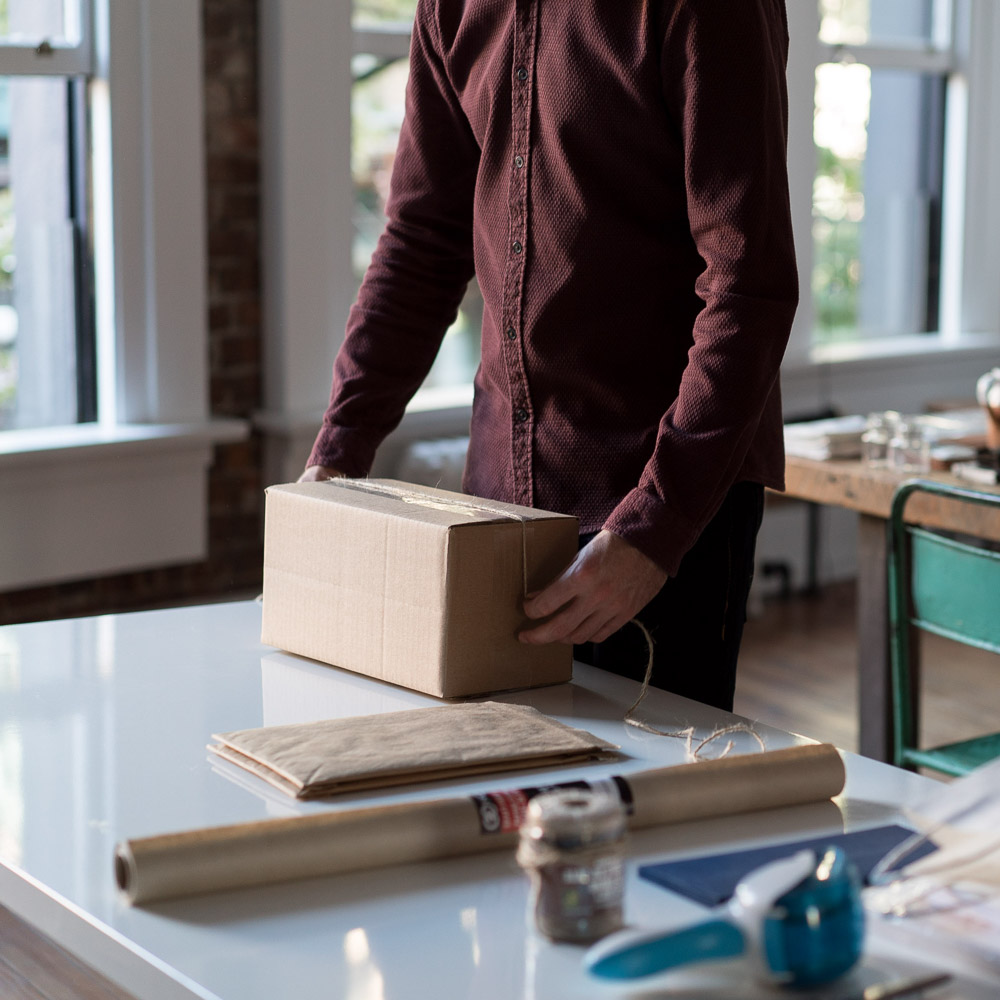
x=524 y=56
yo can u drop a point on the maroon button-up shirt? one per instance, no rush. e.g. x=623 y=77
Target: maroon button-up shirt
x=613 y=171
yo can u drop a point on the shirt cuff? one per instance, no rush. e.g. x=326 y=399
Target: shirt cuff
x=654 y=528
x=347 y=451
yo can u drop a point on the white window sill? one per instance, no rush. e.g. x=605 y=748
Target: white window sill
x=901 y=373
x=85 y=442
x=89 y=501
x=893 y=351
x=440 y=399
x=432 y=413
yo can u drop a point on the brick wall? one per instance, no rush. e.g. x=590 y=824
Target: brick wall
x=233 y=565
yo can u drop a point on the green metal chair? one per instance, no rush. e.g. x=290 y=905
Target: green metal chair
x=946 y=586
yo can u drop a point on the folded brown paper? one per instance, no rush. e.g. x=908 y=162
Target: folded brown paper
x=333 y=756
x=331 y=843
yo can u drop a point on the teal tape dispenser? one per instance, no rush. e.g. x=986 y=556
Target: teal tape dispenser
x=798 y=920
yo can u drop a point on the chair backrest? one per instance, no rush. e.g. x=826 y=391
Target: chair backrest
x=947 y=586
x=954 y=587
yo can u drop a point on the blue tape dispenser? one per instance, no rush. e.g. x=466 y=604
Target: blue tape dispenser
x=799 y=920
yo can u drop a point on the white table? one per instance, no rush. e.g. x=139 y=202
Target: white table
x=103 y=730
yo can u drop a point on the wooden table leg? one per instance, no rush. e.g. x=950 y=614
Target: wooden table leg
x=874 y=703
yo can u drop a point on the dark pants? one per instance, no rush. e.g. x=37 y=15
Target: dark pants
x=696 y=620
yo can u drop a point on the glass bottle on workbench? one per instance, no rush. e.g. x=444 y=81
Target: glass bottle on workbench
x=909 y=448
x=879 y=430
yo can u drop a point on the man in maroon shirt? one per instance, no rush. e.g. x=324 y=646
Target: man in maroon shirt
x=614 y=175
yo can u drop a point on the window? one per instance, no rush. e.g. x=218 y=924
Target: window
x=381 y=33
x=884 y=100
x=47 y=353
x=102 y=214
x=117 y=170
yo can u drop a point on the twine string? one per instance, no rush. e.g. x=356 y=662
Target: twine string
x=692 y=751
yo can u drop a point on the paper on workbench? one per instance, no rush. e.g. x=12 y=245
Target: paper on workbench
x=834 y=437
x=333 y=756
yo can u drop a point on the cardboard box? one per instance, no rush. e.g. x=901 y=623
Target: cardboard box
x=412 y=585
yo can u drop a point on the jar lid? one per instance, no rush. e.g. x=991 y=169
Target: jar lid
x=571 y=818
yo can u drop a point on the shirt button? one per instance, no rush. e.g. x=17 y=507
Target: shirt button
x=511 y=333
x=518 y=162
x=522 y=73
x=516 y=247
x=520 y=415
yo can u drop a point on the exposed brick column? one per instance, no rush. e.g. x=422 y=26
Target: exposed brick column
x=233 y=207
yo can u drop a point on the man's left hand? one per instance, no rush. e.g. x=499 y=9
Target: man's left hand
x=604 y=587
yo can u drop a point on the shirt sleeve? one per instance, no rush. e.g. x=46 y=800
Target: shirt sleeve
x=723 y=72
x=419 y=270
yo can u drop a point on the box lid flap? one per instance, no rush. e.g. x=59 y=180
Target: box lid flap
x=417 y=503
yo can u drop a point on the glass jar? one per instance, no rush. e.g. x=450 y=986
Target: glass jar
x=909 y=448
x=879 y=429
x=572 y=846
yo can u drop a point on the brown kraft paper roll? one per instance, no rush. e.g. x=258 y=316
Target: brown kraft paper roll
x=280 y=850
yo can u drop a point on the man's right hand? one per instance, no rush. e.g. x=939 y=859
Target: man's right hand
x=317 y=473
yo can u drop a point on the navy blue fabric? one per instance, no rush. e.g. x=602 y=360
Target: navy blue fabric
x=712 y=879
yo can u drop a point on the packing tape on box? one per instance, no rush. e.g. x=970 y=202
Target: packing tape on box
x=467 y=507
x=280 y=850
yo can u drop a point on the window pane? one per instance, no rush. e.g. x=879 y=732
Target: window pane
x=377 y=115
x=38 y=382
x=374 y=12
x=879 y=22
x=876 y=201
x=33 y=20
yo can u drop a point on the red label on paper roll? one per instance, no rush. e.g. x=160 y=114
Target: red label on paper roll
x=503 y=812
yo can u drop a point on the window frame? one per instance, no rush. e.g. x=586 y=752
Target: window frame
x=60 y=58
x=969 y=313
x=937 y=59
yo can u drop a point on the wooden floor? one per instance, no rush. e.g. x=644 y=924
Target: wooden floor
x=797 y=667
x=797 y=672
x=33 y=968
